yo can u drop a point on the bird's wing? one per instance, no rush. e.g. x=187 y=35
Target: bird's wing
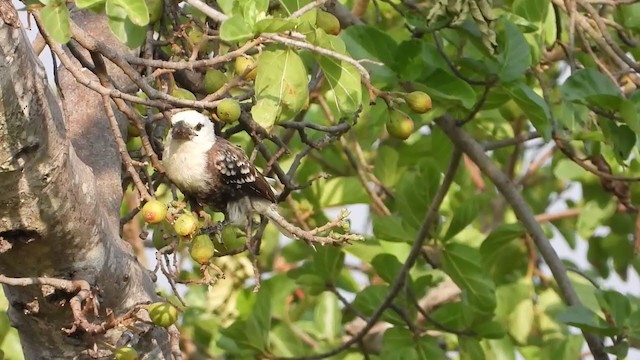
x=237 y=171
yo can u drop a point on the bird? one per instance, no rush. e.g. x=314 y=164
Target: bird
x=215 y=172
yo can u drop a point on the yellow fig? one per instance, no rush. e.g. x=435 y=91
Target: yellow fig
x=418 y=101
x=186 y=225
x=242 y=63
x=328 y=22
x=154 y=211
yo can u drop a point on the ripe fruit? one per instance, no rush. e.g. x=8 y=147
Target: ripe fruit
x=181 y=93
x=126 y=353
x=134 y=144
x=400 y=125
x=154 y=211
x=163 y=314
x=202 y=249
x=418 y=101
x=328 y=22
x=242 y=63
x=213 y=80
x=185 y=225
x=155 y=8
x=228 y=110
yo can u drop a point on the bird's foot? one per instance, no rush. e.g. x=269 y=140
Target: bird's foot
x=214 y=229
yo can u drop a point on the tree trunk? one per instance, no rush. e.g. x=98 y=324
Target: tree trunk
x=60 y=182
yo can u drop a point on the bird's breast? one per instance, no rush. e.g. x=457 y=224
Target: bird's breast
x=186 y=166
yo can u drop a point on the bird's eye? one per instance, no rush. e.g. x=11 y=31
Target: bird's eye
x=199 y=127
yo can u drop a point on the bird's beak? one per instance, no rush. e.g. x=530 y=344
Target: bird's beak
x=181 y=131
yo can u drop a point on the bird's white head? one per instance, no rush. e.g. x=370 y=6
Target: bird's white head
x=192 y=126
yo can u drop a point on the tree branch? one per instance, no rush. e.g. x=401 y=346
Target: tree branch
x=475 y=151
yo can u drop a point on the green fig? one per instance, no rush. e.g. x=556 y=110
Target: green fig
x=400 y=125
x=228 y=110
x=214 y=79
x=186 y=225
x=418 y=101
x=202 y=249
x=163 y=314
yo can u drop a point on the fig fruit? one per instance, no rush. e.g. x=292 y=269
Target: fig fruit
x=242 y=63
x=418 y=101
x=163 y=314
x=228 y=110
x=185 y=225
x=154 y=211
x=202 y=249
x=214 y=79
x=400 y=125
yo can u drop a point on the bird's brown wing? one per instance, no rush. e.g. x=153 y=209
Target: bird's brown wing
x=237 y=172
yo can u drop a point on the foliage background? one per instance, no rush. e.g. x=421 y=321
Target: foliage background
x=204 y=317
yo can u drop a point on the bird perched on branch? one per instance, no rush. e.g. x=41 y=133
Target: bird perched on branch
x=215 y=172
x=218 y=174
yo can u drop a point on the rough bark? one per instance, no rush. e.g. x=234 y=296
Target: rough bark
x=59 y=200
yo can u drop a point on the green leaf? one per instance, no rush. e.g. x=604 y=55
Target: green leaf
x=284 y=341
x=343 y=78
x=274 y=25
x=328 y=262
x=585 y=319
x=83 y=4
x=328 y=317
x=568 y=170
x=369 y=299
x=122 y=27
x=592 y=215
x=339 y=191
x=235 y=29
x=55 y=20
x=533 y=105
x=400 y=343
x=415 y=191
x=464 y=215
x=281 y=83
x=614 y=304
x=591 y=87
x=391 y=228
x=515 y=55
x=462 y=264
x=532 y=10
x=470 y=348
x=136 y=10
x=444 y=86
x=499 y=237
x=368 y=42
x=312 y=284
x=515 y=309
x=387 y=267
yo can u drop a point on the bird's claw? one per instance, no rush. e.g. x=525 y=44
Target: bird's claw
x=214 y=229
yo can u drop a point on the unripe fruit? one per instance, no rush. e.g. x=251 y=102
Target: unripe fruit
x=228 y=110
x=132 y=130
x=160 y=237
x=185 y=225
x=196 y=36
x=418 y=101
x=155 y=8
x=213 y=80
x=184 y=94
x=163 y=314
x=400 y=125
x=154 y=211
x=202 y=249
x=328 y=22
x=510 y=111
x=126 y=353
x=242 y=63
x=140 y=108
x=134 y=144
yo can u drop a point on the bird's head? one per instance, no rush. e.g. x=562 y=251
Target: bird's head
x=192 y=126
